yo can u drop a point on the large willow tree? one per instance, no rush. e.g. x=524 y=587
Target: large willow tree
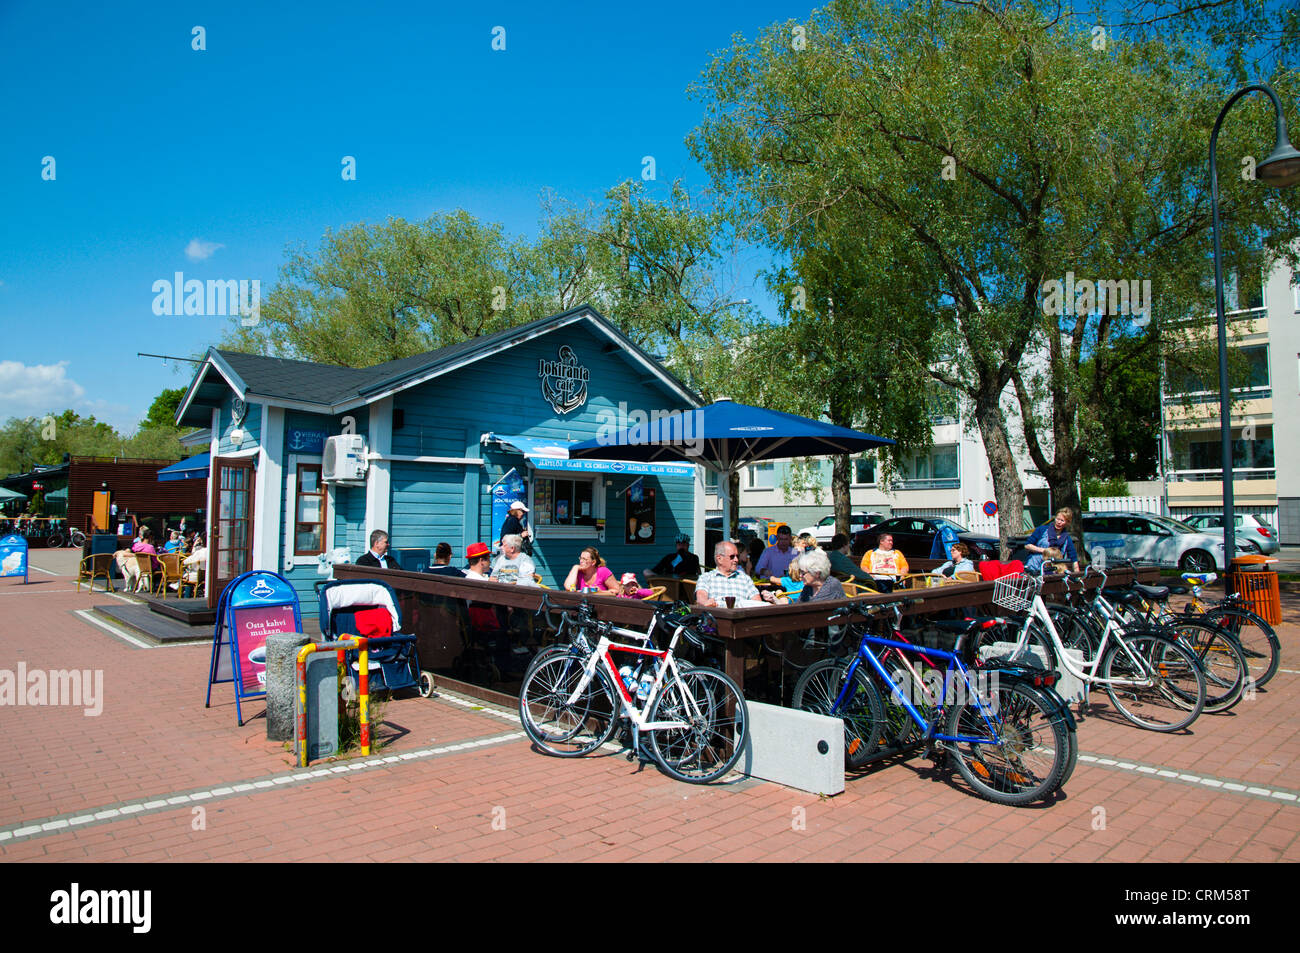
x=1005 y=145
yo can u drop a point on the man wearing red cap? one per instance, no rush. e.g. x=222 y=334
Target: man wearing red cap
x=479 y=556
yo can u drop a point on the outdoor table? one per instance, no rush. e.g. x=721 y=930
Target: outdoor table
x=734 y=625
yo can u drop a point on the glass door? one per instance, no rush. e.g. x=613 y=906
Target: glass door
x=230 y=549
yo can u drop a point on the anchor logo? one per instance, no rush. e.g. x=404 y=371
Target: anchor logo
x=564 y=382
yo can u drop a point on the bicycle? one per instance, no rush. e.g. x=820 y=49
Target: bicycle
x=1252 y=632
x=1148 y=675
x=695 y=719
x=75 y=538
x=1015 y=748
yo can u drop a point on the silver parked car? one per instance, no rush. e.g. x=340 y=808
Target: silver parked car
x=1252 y=530
x=1155 y=540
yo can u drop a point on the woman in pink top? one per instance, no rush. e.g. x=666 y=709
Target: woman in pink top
x=591 y=573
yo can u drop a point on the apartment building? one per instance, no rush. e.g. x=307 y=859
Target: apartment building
x=1262 y=327
x=950 y=479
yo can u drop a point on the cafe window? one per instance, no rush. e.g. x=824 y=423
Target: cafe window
x=762 y=476
x=564 y=502
x=309 y=511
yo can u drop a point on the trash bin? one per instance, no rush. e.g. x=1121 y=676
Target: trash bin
x=1257 y=586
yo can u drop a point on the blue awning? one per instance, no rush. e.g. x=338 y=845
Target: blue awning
x=554 y=455
x=195 y=468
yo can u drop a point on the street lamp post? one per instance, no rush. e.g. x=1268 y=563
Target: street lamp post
x=1280 y=169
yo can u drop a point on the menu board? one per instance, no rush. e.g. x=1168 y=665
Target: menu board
x=640 y=509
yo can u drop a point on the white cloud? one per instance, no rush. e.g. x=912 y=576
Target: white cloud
x=26 y=391
x=198 y=250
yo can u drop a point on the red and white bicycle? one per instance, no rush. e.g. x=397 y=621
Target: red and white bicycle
x=694 y=719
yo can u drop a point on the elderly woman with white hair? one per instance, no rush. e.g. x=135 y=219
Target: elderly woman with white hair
x=818 y=583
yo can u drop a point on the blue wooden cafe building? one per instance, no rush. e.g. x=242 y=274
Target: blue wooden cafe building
x=307 y=458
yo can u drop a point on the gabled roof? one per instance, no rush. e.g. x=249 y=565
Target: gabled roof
x=329 y=388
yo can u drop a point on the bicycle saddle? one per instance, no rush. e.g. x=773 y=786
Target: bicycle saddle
x=1121 y=595
x=1200 y=578
x=1159 y=593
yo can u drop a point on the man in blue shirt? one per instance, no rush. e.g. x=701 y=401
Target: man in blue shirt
x=1053 y=535
x=775 y=561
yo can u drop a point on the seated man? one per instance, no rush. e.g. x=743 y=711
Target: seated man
x=1053 y=535
x=512 y=565
x=442 y=562
x=885 y=563
x=775 y=561
x=378 y=554
x=480 y=561
x=681 y=563
x=715 y=585
x=838 y=550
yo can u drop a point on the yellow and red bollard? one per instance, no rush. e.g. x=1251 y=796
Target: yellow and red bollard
x=363 y=689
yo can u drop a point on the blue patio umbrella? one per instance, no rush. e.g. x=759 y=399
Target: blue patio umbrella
x=195 y=468
x=725 y=436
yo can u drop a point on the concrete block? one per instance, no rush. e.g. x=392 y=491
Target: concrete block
x=796 y=748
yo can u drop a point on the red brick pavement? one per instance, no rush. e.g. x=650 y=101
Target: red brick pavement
x=504 y=801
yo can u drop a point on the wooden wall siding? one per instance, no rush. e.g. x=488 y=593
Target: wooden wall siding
x=252 y=427
x=426 y=506
x=134 y=484
x=350 y=518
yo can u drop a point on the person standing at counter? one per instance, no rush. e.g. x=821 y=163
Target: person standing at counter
x=516 y=524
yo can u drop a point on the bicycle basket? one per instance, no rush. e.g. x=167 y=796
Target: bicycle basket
x=1015 y=592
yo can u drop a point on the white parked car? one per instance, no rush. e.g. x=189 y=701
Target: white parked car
x=1155 y=540
x=1254 y=531
x=825 y=527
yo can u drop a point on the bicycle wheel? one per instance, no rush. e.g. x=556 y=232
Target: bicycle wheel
x=53 y=541
x=1173 y=693
x=1028 y=753
x=1037 y=638
x=556 y=726
x=1259 y=643
x=862 y=712
x=1077 y=630
x=716 y=726
x=1222 y=662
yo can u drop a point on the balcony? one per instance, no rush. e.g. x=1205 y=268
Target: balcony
x=1216 y=475
x=945 y=483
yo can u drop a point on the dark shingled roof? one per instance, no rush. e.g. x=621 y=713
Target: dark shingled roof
x=330 y=384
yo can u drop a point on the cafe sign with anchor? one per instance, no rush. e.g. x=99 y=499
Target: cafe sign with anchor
x=564 y=381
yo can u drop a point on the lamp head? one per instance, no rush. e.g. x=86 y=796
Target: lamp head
x=1281 y=168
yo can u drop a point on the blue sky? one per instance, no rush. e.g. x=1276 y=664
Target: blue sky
x=234 y=152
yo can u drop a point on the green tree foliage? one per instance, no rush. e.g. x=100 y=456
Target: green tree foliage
x=374 y=293
x=1009 y=149
x=26 y=442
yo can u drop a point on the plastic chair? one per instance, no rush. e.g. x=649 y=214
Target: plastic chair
x=143 y=563
x=656 y=593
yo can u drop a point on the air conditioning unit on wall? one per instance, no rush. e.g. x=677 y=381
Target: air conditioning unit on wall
x=344 y=460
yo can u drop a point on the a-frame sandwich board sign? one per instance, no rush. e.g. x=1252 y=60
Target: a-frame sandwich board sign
x=253 y=606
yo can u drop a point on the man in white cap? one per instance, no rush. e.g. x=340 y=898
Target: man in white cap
x=515 y=523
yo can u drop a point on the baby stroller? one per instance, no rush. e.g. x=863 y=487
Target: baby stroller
x=368 y=607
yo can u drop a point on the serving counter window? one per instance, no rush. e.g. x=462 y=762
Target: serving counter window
x=565 y=502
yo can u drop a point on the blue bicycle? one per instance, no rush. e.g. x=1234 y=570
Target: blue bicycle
x=1009 y=733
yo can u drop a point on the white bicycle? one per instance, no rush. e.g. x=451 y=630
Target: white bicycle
x=694 y=719
x=1153 y=680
